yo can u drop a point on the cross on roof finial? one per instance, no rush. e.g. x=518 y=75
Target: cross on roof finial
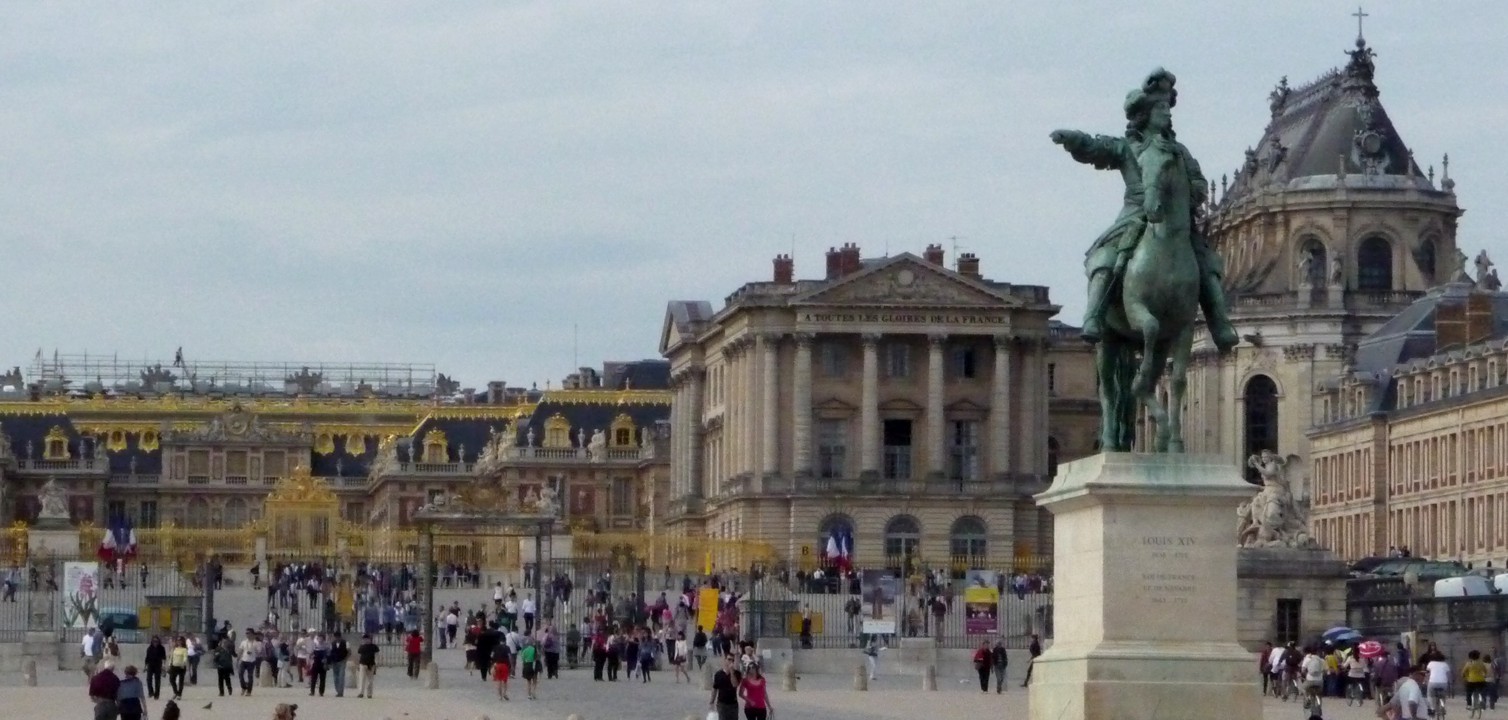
x=1359 y=15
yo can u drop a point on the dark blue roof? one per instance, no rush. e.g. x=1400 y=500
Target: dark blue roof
x=31 y=430
x=346 y=461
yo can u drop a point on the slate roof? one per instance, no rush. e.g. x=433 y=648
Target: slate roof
x=23 y=429
x=1410 y=334
x=1335 y=122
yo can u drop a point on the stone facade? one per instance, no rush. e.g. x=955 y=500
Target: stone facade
x=1287 y=594
x=915 y=405
x=1328 y=230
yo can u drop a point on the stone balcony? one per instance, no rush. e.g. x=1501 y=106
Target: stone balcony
x=71 y=466
x=996 y=487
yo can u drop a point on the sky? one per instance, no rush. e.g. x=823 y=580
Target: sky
x=507 y=190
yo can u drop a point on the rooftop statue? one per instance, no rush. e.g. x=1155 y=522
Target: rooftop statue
x=1151 y=271
x=1279 y=515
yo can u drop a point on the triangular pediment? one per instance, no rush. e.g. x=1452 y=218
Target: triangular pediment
x=908 y=280
x=834 y=406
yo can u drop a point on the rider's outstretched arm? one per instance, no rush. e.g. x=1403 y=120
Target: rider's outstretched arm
x=1102 y=151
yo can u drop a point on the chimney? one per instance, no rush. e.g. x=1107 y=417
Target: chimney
x=495 y=392
x=933 y=254
x=850 y=262
x=785 y=270
x=968 y=265
x=834 y=264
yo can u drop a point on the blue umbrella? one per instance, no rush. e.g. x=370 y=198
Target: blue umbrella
x=1340 y=634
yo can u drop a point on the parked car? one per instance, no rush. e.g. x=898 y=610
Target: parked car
x=1463 y=586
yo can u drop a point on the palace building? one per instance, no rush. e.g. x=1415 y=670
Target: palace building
x=917 y=406
x=1328 y=230
x=203 y=444
x=1410 y=446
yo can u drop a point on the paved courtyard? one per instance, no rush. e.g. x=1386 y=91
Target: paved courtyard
x=464 y=697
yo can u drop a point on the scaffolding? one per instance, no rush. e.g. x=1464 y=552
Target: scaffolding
x=85 y=374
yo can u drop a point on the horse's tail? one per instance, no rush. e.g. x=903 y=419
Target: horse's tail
x=1125 y=410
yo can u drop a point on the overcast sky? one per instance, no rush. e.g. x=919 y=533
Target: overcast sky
x=462 y=183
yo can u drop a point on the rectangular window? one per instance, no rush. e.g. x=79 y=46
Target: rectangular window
x=832 y=448
x=965 y=363
x=1289 y=613
x=1052 y=378
x=834 y=359
x=198 y=466
x=115 y=509
x=148 y=516
x=273 y=463
x=896 y=439
x=356 y=513
x=235 y=465
x=623 y=496
x=897 y=360
x=963 y=461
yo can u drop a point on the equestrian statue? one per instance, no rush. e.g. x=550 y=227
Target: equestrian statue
x=1151 y=272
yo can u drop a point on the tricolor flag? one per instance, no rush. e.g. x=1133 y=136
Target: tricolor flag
x=119 y=543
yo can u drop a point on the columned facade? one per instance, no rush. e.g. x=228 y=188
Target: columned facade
x=893 y=390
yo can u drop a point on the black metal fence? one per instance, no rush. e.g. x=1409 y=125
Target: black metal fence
x=135 y=602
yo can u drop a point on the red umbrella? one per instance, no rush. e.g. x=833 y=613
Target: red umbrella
x=1371 y=649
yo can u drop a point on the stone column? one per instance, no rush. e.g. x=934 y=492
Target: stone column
x=770 y=460
x=801 y=406
x=936 y=428
x=1000 y=408
x=694 y=434
x=869 y=410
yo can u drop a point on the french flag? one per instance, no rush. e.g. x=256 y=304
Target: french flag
x=119 y=543
x=845 y=549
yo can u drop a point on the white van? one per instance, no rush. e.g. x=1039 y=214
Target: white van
x=1500 y=582
x=1464 y=586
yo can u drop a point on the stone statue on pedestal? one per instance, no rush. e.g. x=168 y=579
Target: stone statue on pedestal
x=597 y=450
x=1151 y=272
x=54 y=501
x=1279 y=515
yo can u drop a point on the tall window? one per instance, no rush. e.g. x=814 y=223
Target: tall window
x=198 y=512
x=1313 y=257
x=833 y=357
x=896 y=438
x=623 y=496
x=115 y=509
x=964 y=363
x=1374 y=265
x=967 y=538
x=198 y=466
x=236 y=514
x=832 y=448
x=1260 y=403
x=903 y=537
x=1052 y=456
x=963 y=461
x=834 y=525
x=148 y=517
x=897 y=360
x=1052 y=378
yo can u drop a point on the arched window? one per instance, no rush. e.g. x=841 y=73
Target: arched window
x=198 y=513
x=1052 y=457
x=1314 y=261
x=1260 y=403
x=967 y=541
x=1374 y=265
x=833 y=533
x=557 y=432
x=903 y=538
x=236 y=514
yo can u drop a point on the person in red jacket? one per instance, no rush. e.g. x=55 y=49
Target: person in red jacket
x=983 y=662
x=413 y=645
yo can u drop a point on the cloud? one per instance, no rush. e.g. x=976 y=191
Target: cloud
x=504 y=190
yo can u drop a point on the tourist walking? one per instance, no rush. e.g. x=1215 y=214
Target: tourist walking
x=756 y=696
x=225 y=666
x=984 y=663
x=104 y=686
x=872 y=657
x=501 y=663
x=678 y=656
x=250 y=653
x=339 y=653
x=131 y=696
x=1000 y=661
x=413 y=646
x=195 y=649
x=528 y=665
x=366 y=666
x=1035 y=649
x=725 y=691
x=156 y=659
x=178 y=661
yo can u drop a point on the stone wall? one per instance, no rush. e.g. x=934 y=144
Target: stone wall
x=1266 y=575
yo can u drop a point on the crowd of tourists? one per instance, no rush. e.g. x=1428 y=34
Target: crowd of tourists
x=1397 y=682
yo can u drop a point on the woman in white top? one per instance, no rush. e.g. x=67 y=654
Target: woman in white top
x=678 y=658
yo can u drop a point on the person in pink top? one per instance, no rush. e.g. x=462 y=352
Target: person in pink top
x=752 y=690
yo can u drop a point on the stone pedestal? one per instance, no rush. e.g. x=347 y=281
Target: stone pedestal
x=1144 y=570
x=53 y=538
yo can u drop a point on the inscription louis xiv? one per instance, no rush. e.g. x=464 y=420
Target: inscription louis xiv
x=1165 y=588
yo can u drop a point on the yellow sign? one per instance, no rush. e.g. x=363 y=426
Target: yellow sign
x=706 y=608
x=806 y=550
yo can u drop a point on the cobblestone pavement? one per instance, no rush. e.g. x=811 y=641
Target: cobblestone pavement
x=464 y=697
